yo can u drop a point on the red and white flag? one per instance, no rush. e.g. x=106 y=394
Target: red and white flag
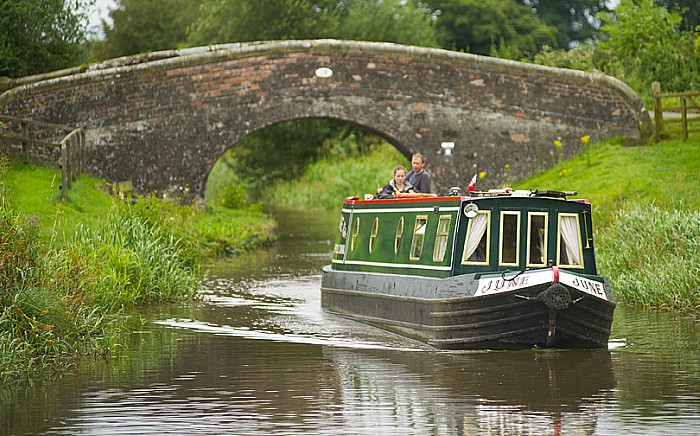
x=472 y=185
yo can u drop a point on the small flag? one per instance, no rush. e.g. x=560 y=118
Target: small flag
x=472 y=185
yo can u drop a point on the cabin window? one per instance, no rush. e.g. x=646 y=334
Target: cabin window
x=418 y=236
x=399 y=234
x=443 y=232
x=355 y=231
x=569 y=253
x=476 y=247
x=373 y=234
x=537 y=239
x=510 y=238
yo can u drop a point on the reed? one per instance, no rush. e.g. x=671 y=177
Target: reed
x=652 y=257
x=136 y=261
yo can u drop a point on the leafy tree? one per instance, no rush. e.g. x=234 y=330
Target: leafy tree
x=400 y=21
x=397 y=21
x=575 y=20
x=223 y=21
x=140 y=26
x=688 y=9
x=488 y=26
x=37 y=36
x=642 y=43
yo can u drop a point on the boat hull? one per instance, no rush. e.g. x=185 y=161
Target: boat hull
x=450 y=313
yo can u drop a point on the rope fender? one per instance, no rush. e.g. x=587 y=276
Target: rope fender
x=555 y=297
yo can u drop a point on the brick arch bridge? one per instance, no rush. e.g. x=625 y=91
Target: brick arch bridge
x=163 y=119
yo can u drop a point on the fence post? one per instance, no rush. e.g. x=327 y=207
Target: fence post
x=658 y=110
x=684 y=117
x=64 y=171
x=25 y=140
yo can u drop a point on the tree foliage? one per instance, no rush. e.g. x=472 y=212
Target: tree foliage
x=140 y=26
x=398 y=21
x=37 y=36
x=643 y=43
x=688 y=9
x=575 y=20
x=223 y=21
x=487 y=26
x=387 y=21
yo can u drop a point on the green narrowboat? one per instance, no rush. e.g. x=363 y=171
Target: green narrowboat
x=499 y=269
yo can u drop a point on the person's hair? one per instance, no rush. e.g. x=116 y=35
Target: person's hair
x=418 y=155
x=399 y=167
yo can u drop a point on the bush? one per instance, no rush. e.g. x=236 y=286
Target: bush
x=641 y=43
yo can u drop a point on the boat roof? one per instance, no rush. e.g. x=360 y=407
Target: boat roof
x=414 y=198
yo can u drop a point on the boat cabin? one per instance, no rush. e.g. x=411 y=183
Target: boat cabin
x=454 y=235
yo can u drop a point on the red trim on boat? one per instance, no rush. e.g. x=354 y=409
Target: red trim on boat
x=352 y=200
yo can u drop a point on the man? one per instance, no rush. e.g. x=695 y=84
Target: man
x=418 y=177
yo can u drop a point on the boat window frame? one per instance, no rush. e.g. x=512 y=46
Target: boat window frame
x=517 y=215
x=577 y=220
x=414 y=240
x=544 y=241
x=399 y=235
x=486 y=234
x=442 y=236
x=373 y=234
x=355 y=232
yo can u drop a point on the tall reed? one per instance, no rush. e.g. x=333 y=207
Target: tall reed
x=136 y=261
x=652 y=257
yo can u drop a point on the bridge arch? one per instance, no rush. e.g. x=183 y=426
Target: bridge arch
x=162 y=119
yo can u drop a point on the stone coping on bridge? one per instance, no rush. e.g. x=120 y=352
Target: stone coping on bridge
x=117 y=67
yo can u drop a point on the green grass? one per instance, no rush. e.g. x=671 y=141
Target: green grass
x=34 y=191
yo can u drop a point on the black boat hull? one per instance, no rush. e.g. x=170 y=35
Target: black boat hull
x=508 y=320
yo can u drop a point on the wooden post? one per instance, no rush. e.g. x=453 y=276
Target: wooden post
x=684 y=117
x=64 y=171
x=25 y=140
x=658 y=109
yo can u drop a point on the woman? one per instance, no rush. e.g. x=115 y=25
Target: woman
x=397 y=184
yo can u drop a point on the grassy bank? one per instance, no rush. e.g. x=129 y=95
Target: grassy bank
x=645 y=206
x=68 y=268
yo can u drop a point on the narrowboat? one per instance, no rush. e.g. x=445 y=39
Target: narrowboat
x=501 y=269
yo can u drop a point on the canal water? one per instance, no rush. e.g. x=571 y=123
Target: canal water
x=258 y=356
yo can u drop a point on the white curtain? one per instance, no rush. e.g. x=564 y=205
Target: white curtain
x=572 y=238
x=476 y=232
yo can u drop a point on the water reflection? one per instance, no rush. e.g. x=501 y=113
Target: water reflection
x=259 y=356
x=477 y=392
